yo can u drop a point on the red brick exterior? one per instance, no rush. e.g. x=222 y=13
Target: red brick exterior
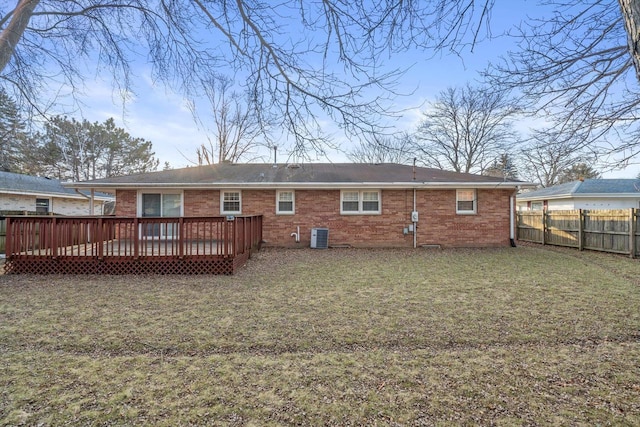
x=126 y=201
x=438 y=222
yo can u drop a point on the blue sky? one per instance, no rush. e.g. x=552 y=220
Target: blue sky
x=161 y=116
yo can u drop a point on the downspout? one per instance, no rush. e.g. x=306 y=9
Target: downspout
x=415 y=224
x=512 y=236
x=90 y=198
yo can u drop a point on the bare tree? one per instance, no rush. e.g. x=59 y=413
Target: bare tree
x=631 y=15
x=383 y=149
x=549 y=154
x=232 y=128
x=303 y=62
x=465 y=129
x=576 y=65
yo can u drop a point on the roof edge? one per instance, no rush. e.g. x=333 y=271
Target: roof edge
x=306 y=185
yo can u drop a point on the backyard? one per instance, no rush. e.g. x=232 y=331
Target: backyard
x=512 y=336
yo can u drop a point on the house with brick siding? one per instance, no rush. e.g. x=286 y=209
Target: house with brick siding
x=361 y=205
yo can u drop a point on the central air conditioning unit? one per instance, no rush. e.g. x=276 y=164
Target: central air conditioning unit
x=319 y=238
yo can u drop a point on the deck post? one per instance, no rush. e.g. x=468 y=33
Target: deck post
x=226 y=237
x=136 y=238
x=100 y=240
x=182 y=241
x=54 y=237
x=8 y=241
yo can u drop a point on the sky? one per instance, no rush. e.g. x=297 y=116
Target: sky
x=161 y=116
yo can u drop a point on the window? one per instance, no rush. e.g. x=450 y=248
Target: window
x=285 y=203
x=359 y=202
x=160 y=204
x=370 y=201
x=230 y=202
x=466 y=201
x=536 y=206
x=42 y=206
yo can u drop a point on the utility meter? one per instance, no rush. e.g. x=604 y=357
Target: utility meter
x=414 y=216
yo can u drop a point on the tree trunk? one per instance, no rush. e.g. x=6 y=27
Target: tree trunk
x=631 y=15
x=11 y=35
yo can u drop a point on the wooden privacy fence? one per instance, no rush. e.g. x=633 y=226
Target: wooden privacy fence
x=118 y=245
x=599 y=230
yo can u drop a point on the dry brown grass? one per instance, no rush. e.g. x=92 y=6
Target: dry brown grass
x=523 y=336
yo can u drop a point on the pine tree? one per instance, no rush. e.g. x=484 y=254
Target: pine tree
x=579 y=171
x=80 y=150
x=502 y=167
x=12 y=134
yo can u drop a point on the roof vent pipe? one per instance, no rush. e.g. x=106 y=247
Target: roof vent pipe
x=275 y=156
x=414 y=168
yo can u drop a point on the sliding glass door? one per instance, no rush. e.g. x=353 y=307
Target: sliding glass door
x=161 y=205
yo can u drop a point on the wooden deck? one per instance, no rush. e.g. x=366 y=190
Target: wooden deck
x=116 y=245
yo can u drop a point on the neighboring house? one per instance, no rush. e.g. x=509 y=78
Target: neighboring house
x=360 y=204
x=29 y=194
x=585 y=194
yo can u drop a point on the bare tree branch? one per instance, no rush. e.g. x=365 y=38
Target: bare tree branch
x=465 y=129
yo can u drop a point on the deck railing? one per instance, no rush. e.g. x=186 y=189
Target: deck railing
x=120 y=239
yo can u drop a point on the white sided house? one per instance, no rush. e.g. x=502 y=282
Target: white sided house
x=584 y=194
x=25 y=194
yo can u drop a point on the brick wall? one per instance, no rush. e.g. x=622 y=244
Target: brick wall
x=126 y=202
x=438 y=222
x=201 y=202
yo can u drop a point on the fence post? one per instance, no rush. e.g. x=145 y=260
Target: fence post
x=580 y=230
x=633 y=229
x=544 y=226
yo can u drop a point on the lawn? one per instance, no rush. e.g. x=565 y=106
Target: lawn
x=513 y=336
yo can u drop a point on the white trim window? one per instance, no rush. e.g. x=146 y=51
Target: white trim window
x=466 y=202
x=230 y=202
x=360 y=202
x=285 y=202
x=43 y=206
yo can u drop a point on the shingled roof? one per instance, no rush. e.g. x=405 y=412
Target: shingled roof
x=587 y=188
x=308 y=175
x=15 y=183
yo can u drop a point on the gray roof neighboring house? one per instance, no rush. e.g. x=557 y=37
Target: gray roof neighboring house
x=588 y=188
x=307 y=175
x=14 y=183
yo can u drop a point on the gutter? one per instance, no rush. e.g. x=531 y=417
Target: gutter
x=305 y=185
x=524 y=198
x=39 y=194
